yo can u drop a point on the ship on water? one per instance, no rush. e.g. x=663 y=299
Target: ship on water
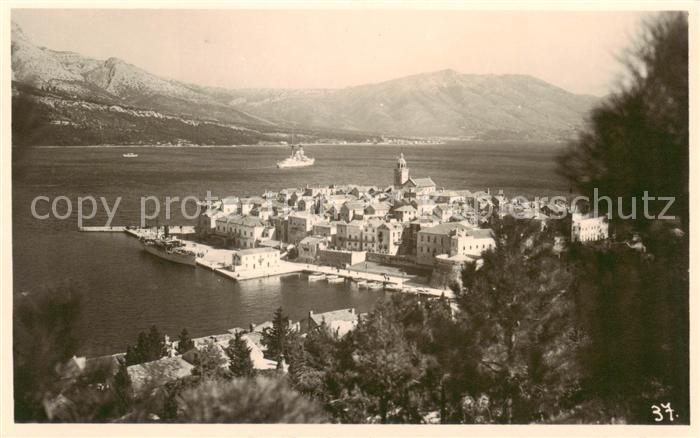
x=130 y=155
x=296 y=159
x=170 y=249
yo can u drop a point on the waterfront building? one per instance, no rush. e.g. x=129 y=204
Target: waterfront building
x=340 y=258
x=206 y=222
x=452 y=238
x=326 y=229
x=241 y=231
x=255 y=259
x=471 y=242
x=309 y=246
x=349 y=235
x=588 y=228
x=300 y=224
x=369 y=234
x=389 y=237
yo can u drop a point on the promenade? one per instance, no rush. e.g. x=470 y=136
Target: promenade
x=217 y=259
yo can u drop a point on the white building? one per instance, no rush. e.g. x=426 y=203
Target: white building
x=588 y=228
x=255 y=259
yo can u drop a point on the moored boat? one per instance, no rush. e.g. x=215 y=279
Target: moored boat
x=335 y=279
x=375 y=285
x=317 y=277
x=170 y=249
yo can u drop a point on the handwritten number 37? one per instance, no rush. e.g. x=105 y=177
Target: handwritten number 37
x=659 y=413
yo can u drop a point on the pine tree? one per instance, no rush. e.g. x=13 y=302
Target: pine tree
x=156 y=344
x=240 y=363
x=148 y=347
x=210 y=361
x=122 y=386
x=519 y=307
x=276 y=338
x=185 y=343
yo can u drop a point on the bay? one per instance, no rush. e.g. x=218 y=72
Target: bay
x=126 y=290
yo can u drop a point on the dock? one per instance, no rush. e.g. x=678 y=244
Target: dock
x=217 y=260
x=113 y=229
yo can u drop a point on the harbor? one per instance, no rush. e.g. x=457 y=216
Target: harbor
x=215 y=259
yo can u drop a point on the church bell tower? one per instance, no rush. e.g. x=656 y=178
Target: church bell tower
x=400 y=173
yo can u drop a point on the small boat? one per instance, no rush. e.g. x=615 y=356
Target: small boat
x=375 y=285
x=130 y=155
x=393 y=287
x=335 y=279
x=317 y=277
x=362 y=284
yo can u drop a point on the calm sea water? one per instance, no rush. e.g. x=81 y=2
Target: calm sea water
x=126 y=290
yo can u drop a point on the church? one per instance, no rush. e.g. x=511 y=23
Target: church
x=411 y=186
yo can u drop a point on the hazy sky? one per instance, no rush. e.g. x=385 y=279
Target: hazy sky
x=328 y=49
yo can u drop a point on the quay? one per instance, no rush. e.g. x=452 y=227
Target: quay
x=112 y=229
x=179 y=230
x=216 y=260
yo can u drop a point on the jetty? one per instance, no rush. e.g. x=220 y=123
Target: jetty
x=111 y=229
x=177 y=230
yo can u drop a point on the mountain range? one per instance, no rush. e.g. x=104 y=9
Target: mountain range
x=66 y=98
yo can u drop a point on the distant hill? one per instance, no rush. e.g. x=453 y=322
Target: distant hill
x=443 y=103
x=66 y=98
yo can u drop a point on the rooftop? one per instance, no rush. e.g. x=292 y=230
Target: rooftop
x=422 y=182
x=445 y=228
x=158 y=372
x=334 y=315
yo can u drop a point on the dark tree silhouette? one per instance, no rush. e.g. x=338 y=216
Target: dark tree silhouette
x=635 y=305
x=240 y=363
x=185 y=343
x=637 y=139
x=277 y=338
x=519 y=308
x=148 y=347
x=43 y=340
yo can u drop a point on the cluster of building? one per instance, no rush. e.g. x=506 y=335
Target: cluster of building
x=175 y=366
x=411 y=221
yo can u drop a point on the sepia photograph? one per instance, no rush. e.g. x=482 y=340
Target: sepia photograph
x=349 y=213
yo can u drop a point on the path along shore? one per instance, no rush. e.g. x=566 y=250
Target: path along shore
x=216 y=259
